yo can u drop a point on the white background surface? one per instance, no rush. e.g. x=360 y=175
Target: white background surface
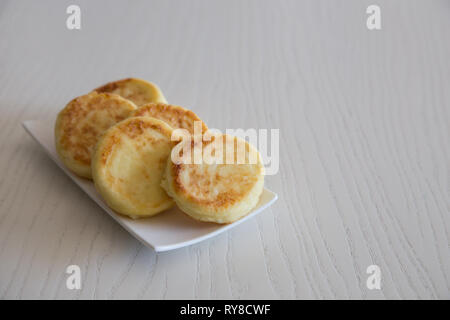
x=364 y=119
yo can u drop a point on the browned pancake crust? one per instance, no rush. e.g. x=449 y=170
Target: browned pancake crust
x=83 y=120
x=128 y=164
x=236 y=184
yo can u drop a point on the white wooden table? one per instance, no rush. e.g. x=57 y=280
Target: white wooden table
x=364 y=119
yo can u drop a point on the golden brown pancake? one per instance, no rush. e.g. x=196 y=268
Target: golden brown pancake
x=128 y=164
x=210 y=190
x=80 y=124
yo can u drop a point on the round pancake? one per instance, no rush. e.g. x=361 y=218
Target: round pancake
x=128 y=164
x=137 y=90
x=175 y=116
x=80 y=124
x=210 y=190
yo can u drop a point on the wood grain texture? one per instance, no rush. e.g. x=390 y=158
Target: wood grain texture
x=364 y=119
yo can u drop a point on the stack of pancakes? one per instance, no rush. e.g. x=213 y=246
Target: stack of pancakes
x=128 y=139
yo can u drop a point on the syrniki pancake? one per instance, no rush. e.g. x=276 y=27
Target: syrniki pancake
x=208 y=190
x=79 y=125
x=137 y=90
x=128 y=164
x=177 y=117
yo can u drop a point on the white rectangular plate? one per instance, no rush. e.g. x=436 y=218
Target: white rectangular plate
x=167 y=231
